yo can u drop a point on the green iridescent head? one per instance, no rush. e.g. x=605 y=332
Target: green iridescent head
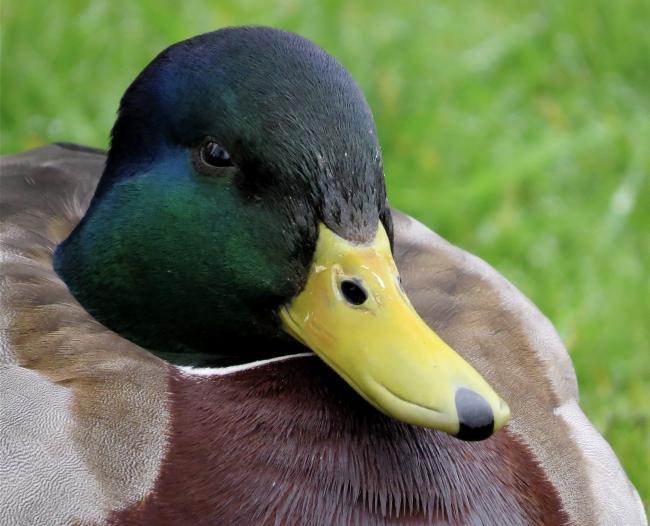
x=228 y=152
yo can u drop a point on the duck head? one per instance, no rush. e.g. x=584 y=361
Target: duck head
x=242 y=215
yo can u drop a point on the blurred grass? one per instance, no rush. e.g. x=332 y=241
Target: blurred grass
x=518 y=130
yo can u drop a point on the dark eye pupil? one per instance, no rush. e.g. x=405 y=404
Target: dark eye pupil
x=215 y=155
x=353 y=292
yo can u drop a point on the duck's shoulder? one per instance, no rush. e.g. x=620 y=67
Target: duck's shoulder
x=45 y=192
x=57 y=168
x=89 y=405
x=497 y=329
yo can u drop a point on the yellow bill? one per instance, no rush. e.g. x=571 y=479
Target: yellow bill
x=355 y=316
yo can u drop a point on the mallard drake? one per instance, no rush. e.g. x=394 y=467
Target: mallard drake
x=207 y=326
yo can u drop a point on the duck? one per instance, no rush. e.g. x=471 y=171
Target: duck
x=222 y=321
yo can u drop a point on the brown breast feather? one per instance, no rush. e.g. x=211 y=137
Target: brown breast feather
x=291 y=443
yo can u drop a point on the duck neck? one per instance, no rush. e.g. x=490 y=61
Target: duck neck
x=158 y=294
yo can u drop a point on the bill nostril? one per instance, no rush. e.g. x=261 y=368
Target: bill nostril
x=474 y=415
x=353 y=292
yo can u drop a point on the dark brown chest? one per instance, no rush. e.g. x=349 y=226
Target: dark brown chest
x=290 y=443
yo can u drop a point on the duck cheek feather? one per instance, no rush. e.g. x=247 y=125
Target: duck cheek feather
x=292 y=443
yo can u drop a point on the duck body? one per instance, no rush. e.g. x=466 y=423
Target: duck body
x=137 y=440
x=221 y=321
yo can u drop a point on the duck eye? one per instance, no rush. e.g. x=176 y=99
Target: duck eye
x=353 y=292
x=213 y=154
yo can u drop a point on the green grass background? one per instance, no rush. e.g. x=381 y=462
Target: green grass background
x=518 y=130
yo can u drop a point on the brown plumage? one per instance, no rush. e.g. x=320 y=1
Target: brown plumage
x=315 y=453
x=95 y=430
